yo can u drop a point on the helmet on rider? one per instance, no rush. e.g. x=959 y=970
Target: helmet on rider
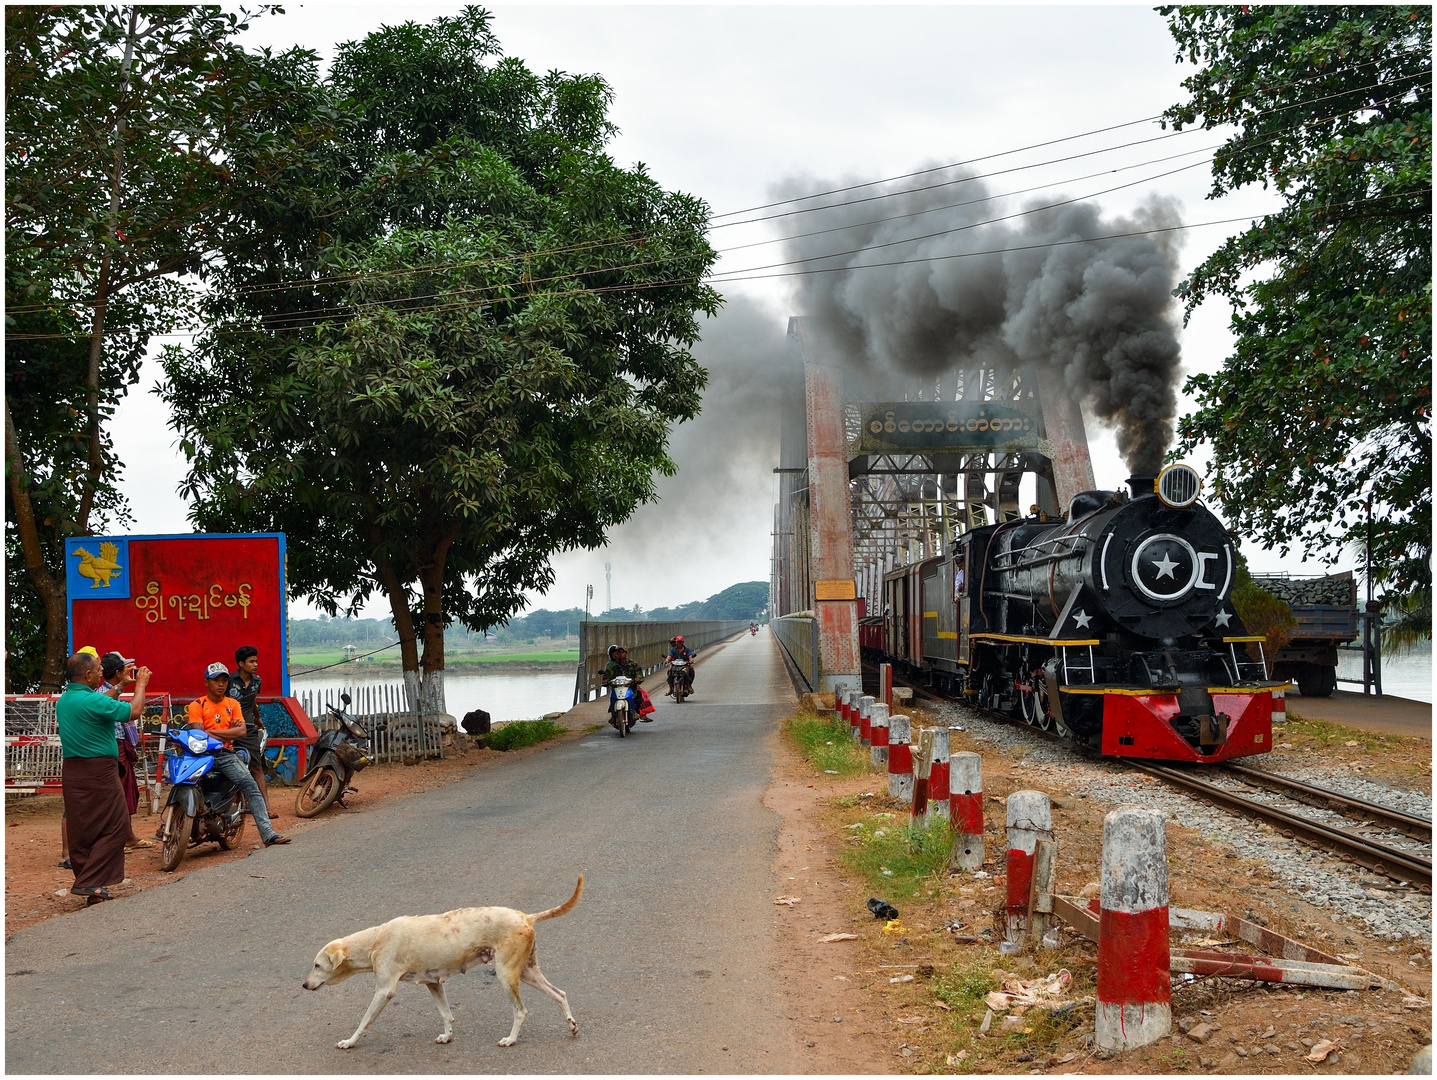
x=679 y=639
x=616 y=649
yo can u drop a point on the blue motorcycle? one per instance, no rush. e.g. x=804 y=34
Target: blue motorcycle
x=203 y=806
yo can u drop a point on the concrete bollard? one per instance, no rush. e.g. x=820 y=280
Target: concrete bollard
x=885 y=684
x=850 y=705
x=1134 y=992
x=938 y=778
x=1279 y=706
x=922 y=766
x=900 y=758
x=1030 y=819
x=841 y=696
x=878 y=735
x=965 y=809
x=865 y=720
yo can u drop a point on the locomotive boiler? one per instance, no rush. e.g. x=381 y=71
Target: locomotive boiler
x=1113 y=627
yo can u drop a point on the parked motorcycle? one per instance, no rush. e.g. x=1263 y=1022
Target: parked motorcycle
x=681 y=679
x=335 y=758
x=203 y=805
x=622 y=697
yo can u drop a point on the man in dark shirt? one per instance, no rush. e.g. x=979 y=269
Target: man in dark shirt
x=244 y=688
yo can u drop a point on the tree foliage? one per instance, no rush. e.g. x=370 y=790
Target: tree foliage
x=1326 y=400
x=128 y=132
x=471 y=362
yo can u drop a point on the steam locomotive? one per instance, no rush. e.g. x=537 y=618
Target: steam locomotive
x=1113 y=628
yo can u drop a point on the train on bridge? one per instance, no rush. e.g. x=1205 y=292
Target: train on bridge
x=1113 y=627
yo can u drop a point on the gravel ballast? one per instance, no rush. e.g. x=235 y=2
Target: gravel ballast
x=1373 y=905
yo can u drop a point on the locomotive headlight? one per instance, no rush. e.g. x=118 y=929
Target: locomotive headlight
x=1178 y=485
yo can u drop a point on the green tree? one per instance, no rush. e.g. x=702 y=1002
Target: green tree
x=482 y=358
x=1326 y=399
x=128 y=132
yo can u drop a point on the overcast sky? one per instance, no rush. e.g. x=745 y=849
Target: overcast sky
x=729 y=102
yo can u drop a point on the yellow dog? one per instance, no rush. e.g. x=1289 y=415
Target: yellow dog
x=431 y=948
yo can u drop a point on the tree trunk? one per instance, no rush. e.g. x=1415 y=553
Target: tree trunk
x=403 y=623
x=52 y=592
x=431 y=577
x=93 y=474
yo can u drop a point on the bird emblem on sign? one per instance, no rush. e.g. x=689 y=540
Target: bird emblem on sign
x=99 y=569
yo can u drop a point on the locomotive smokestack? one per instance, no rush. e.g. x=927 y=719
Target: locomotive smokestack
x=1141 y=485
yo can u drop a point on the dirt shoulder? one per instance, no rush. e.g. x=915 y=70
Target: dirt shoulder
x=36 y=888
x=1368 y=712
x=911 y=999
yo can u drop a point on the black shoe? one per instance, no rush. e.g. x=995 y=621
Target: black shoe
x=882 y=909
x=276 y=839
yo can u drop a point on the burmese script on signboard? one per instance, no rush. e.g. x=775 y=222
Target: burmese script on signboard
x=947 y=427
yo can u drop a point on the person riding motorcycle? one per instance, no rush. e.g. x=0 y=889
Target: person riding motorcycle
x=620 y=664
x=679 y=651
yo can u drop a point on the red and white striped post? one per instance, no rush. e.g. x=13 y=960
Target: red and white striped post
x=850 y=710
x=965 y=809
x=938 y=779
x=840 y=697
x=1030 y=819
x=885 y=684
x=878 y=734
x=865 y=720
x=900 y=758
x=1134 y=992
x=1279 y=706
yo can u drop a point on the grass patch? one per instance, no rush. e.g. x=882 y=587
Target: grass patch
x=964 y=988
x=897 y=860
x=547 y=657
x=827 y=745
x=1328 y=735
x=519 y=733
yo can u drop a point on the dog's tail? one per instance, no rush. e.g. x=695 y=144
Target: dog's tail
x=564 y=908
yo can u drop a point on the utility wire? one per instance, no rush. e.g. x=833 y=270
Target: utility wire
x=749 y=275
x=640 y=238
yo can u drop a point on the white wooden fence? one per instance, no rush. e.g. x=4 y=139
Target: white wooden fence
x=396 y=732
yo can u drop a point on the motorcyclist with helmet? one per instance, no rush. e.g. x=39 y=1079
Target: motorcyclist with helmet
x=620 y=664
x=679 y=651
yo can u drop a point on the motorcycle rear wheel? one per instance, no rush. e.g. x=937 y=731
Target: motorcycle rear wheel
x=176 y=826
x=322 y=788
x=230 y=838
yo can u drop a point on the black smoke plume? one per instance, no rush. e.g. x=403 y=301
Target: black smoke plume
x=1096 y=315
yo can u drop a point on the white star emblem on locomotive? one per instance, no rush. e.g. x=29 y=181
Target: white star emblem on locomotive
x=1082 y=619
x=1166 y=566
x=1223 y=617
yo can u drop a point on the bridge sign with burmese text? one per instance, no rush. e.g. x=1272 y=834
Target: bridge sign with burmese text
x=177 y=603
x=952 y=426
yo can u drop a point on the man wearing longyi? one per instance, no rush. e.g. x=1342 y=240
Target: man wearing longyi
x=95 y=812
x=220 y=715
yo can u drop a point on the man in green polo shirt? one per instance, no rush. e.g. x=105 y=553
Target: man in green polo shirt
x=99 y=820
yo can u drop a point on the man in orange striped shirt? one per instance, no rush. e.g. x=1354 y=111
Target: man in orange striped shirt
x=221 y=717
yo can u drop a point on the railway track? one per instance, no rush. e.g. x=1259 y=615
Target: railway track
x=1419 y=828
x=1379 y=858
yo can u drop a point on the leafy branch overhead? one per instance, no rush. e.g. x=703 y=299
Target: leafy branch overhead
x=1325 y=403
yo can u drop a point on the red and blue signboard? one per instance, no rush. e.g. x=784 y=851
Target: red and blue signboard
x=178 y=603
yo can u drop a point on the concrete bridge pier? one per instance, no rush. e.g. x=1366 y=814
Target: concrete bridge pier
x=835 y=594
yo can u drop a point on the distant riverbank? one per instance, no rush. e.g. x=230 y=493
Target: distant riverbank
x=379 y=667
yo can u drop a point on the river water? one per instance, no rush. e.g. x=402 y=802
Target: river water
x=1407 y=675
x=503 y=697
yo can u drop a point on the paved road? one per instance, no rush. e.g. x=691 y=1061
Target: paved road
x=1387 y=714
x=666 y=960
